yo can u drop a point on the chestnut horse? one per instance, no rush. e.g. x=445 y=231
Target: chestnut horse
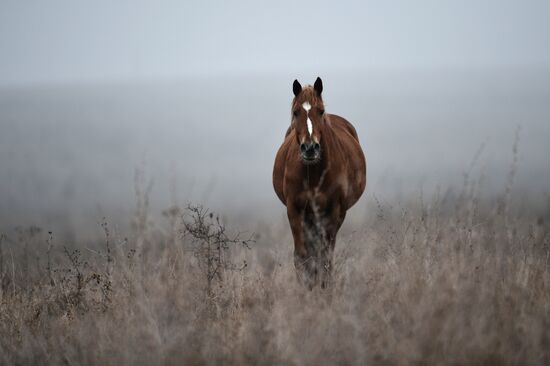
x=320 y=172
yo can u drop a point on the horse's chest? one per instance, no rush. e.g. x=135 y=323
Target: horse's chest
x=322 y=194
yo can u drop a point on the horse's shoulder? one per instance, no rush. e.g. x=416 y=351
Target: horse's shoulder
x=340 y=123
x=279 y=166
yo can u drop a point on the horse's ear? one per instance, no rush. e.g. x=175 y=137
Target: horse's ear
x=318 y=86
x=296 y=88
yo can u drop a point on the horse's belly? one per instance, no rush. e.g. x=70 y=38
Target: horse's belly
x=353 y=182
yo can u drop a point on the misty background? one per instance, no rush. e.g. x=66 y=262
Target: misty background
x=197 y=96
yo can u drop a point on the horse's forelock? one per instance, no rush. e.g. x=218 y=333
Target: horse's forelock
x=309 y=95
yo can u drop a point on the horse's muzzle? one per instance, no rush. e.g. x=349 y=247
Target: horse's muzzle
x=310 y=152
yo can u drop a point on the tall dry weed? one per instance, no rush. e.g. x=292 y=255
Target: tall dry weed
x=454 y=278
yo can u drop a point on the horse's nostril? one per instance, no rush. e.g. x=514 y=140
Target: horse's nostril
x=303 y=147
x=316 y=147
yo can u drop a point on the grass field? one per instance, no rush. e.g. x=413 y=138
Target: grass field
x=455 y=278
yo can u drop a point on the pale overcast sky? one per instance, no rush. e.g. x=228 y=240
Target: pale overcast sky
x=72 y=41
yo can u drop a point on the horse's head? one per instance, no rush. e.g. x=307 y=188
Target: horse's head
x=308 y=119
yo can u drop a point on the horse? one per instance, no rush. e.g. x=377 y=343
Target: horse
x=320 y=172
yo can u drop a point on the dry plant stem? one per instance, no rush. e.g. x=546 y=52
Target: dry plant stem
x=211 y=244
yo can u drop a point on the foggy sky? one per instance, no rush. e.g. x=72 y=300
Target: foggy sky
x=74 y=41
x=198 y=93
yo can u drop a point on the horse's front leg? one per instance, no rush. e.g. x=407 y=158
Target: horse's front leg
x=301 y=255
x=336 y=217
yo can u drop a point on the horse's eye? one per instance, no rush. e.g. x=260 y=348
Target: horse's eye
x=321 y=111
x=296 y=112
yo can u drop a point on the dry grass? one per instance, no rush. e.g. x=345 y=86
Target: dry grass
x=456 y=279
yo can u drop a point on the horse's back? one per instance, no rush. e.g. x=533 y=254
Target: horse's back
x=343 y=124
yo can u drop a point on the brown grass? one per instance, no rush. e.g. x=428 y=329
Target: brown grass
x=456 y=279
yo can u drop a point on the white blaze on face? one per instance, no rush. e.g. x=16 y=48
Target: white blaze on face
x=307 y=107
